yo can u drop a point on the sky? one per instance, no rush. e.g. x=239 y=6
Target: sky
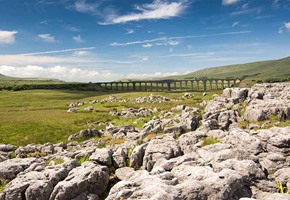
x=107 y=40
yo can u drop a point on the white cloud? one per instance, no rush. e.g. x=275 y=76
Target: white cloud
x=130 y=31
x=229 y=2
x=235 y=24
x=287 y=26
x=156 y=74
x=176 y=38
x=82 y=6
x=47 y=37
x=81 y=53
x=141 y=57
x=281 y=30
x=21 y=60
x=148 y=45
x=7 y=37
x=245 y=6
x=276 y=4
x=205 y=54
x=78 y=39
x=157 y=10
x=57 y=51
x=72 y=28
x=172 y=43
x=59 y=72
x=247 y=11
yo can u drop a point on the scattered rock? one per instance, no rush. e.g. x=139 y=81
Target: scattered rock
x=87 y=179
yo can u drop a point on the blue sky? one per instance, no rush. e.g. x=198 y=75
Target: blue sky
x=105 y=40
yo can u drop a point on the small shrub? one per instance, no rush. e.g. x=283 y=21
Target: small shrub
x=282 y=189
x=12 y=155
x=128 y=160
x=3 y=183
x=209 y=141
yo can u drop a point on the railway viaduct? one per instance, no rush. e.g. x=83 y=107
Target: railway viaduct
x=170 y=84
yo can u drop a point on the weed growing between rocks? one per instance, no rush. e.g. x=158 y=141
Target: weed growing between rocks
x=83 y=159
x=282 y=188
x=56 y=161
x=3 y=183
x=209 y=140
x=12 y=155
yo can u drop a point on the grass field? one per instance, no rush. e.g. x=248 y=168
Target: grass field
x=39 y=116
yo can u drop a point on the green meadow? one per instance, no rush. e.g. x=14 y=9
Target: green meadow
x=40 y=116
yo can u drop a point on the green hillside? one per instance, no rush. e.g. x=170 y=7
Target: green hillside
x=260 y=70
x=8 y=78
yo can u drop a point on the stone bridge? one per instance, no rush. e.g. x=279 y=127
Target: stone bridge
x=170 y=85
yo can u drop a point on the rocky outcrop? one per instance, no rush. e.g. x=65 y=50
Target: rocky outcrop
x=10 y=168
x=85 y=134
x=181 y=153
x=165 y=147
x=132 y=112
x=86 y=180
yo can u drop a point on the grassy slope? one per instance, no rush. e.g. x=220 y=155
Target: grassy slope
x=10 y=78
x=7 y=78
x=39 y=116
x=263 y=69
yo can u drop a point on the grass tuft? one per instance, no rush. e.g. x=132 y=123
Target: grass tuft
x=83 y=159
x=3 y=183
x=282 y=188
x=209 y=141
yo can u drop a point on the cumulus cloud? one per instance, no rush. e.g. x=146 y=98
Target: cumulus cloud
x=78 y=39
x=58 y=72
x=7 y=37
x=229 y=2
x=287 y=26
x=158 y=9
x=47 y=37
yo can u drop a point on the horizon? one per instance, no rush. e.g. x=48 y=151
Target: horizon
x=89 y=40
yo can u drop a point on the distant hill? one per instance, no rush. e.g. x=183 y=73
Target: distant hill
x=10 y=78
x=265 y=69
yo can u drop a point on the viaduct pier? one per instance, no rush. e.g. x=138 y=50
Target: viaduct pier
x=171 y=85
